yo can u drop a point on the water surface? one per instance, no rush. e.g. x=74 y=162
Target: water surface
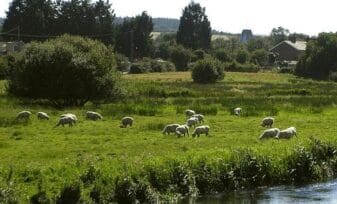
x=315 y=193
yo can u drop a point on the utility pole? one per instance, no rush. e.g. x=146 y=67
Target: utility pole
x=18 y=33
x=131 y=45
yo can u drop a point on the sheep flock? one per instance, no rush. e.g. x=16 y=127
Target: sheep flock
x=193 y=120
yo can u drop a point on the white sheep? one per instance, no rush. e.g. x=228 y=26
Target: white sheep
x=200 y=117
x=171 y=128
x=126 y=121
x=66 y=120
x=192 y=122
x=189 y=113
x=93 y=115
x=201 y=130
x=237 y=111
x=270 y=133
x=182 y=130
x=42 y=116
x=70 y=115
x=287 y=133
x=267 y=122
x=23 y=116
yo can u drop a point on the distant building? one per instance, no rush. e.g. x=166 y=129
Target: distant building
x=7 y=47
x=289 y=51
x=246 y=35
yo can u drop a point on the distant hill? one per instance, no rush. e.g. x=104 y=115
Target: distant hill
x=160 y=24
x=165 y=24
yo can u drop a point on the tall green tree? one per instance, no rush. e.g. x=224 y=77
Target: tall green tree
x=104 y=17
x=39 y=19
x=75 y=17
x=31 y=17
x=194 y=28
x=320 y=58
x=134 y=36
x=279 y=34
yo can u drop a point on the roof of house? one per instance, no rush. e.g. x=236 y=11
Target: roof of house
x=298 y=45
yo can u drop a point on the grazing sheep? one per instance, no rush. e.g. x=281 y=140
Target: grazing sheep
x=182 y=130
x=171 y=128
x=70 y=115
x=237 y=111
x=294 y=130
x=200 y=117
x=192 y=122
x=126 y=121
x=270 y=133
x=189 y=113
x=93 y=115
x=66 y=120
x=42 y=116
x=23 y=116
x=201 y=130
x=287 y=133
x=267 y=122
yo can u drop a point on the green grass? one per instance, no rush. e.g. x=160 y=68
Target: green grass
x=36 y=152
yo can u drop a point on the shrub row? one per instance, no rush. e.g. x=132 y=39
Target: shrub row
x=237 y=67
x=146 y=65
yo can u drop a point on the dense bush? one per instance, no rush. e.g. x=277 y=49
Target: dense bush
x=260 y=57
x=122 y=62
x=320 y=57
x=3 y=67
x=208 y=71
x=222 y=55
x=333 y=76
x=141 y=66
x=198 y=55
x=242 y=56
x=180 y=57
x=67 y=71
x=162 y=66
x=236 y=67
x=151 y=65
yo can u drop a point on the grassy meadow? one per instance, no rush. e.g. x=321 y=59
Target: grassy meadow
x=99 y=157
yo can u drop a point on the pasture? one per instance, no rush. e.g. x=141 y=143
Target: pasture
x=36 y=154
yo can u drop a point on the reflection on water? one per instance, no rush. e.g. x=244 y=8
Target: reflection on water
x=316 y=193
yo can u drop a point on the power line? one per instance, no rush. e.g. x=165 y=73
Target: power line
x=52 y=36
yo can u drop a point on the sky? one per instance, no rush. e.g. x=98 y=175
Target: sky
x=301 y=16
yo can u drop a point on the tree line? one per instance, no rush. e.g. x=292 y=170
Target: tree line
x=29 y=20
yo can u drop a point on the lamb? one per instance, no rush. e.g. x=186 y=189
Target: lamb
x=237 y=111
x=23 y=116
x=201 y=130
x=42 y=116
x=70 y=115
x=182 y=130
x=126 y=121
x=189 y=113
x=192 y=122
x=267 y=122
x=199 y=116
x=93 y=115
x=287 y=133
x=66 y=120
x=170 y=128
x=270 y=133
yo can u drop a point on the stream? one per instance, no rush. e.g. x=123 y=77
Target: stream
x=313 y=193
